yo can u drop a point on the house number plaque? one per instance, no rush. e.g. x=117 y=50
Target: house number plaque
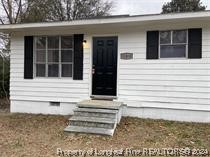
x=126 y=56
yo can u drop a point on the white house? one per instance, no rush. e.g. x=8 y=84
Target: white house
x=158 y=65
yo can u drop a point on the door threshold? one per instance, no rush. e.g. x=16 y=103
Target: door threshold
x=103 y=97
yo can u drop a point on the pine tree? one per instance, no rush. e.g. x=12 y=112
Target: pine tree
x=183 y=6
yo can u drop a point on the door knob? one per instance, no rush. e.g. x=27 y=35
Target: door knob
x=93 y=71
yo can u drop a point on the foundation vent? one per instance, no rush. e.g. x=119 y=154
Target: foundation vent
x=56 y=104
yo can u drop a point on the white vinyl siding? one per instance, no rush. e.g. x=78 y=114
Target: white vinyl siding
x=168 y=83
x=44 y=89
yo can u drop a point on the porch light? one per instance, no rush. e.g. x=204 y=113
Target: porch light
x=84 y=43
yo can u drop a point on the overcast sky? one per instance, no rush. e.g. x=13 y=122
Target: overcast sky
x=138 y=7
x=135 y=7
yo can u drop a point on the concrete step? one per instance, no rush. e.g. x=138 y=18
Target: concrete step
x=93 y=119
x=103 y=104
x=110 y=111
x=91 y=130
x=98 y=122
x=92 y=124
x=96 y=117
x=93 y=113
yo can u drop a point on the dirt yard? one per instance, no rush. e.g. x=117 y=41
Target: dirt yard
x=23 y=135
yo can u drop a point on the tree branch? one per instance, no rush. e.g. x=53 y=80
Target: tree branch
x=18 y=12
x=6 y=11
x=2 y=22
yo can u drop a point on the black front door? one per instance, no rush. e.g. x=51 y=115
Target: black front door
x=104 y=70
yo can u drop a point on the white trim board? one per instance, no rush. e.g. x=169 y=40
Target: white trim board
x=168 y=114
x=37 y=107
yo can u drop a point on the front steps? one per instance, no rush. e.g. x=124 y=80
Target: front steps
x=95 y=117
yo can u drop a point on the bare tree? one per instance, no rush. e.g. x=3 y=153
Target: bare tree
x=10 y=14
x=60 y=10
x=12 y=10
x=19 y=11
x=4 y=44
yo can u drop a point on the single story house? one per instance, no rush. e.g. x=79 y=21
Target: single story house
x=158 y=65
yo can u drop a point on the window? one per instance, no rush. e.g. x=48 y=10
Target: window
x=53 y=56
x=173 y=44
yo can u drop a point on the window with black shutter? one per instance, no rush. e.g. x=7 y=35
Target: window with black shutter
x=195 y=43
x=152 y=44
x=28 y=57
x=78 y=57
x=174 y=44
x=54 y=56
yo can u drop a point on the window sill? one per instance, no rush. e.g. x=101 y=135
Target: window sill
x=173 y=58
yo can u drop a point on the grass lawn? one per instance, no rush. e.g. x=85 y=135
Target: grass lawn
x=23 y=135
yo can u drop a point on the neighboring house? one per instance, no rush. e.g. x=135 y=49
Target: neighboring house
x=158 y=65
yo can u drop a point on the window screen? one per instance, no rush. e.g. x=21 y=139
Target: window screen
x=54 y=56
x=173 y=44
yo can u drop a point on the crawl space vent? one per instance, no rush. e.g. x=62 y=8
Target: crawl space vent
x=55 y=104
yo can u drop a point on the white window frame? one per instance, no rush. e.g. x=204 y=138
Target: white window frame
x=171 y=31
x=46 y=57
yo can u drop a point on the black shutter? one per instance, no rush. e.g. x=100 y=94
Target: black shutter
x=78 y=57
x=28 y=57
x=195 y=43
x=152 y=44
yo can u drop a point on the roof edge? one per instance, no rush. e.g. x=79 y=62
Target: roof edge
x=108 y=20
